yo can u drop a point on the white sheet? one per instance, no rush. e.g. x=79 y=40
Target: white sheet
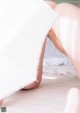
x=23 y=28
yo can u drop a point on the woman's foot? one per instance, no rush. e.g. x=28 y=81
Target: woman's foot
x=73 y=101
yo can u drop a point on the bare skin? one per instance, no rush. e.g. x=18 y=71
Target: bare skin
x=40 y=67
x=52 y=36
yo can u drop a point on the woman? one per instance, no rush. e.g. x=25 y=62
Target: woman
x=59 y=34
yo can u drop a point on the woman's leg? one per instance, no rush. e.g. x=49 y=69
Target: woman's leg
x=52 y=36
x=39 y=70
x=40 y=67
x=66 y=32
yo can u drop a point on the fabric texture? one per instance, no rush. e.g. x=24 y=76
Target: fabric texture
x=23 y=28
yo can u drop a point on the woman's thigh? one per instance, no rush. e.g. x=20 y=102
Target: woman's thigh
x=67 y=30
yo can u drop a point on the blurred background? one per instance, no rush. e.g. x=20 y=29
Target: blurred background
x=75 y=2
x=54 y=61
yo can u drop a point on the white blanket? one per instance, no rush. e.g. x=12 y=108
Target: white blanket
x=23 y=28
